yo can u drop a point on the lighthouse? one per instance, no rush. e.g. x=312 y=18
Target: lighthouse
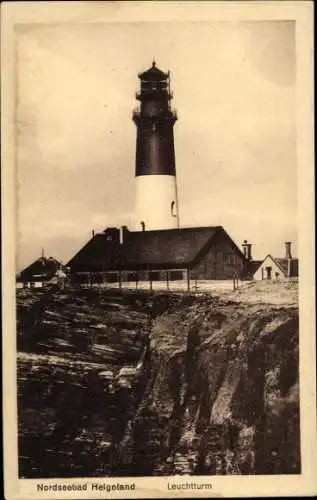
x=156 y=204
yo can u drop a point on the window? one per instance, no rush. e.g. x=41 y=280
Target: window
x=231 y=259
x=96 y=278
x=173 y=209
x=176 y=275
x=111 y=277
x=154 y=275
x=132 y=277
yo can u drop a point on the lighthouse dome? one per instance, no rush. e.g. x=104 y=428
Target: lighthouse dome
x=153 y=73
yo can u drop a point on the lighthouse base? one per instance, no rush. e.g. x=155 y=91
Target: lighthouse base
x=156 y=204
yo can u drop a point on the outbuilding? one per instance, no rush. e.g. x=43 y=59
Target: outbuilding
x=39 y=272
x=278 y=268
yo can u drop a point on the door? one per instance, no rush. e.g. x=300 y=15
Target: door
x=269 y=273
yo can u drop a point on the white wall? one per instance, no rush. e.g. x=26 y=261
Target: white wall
x=33 y=284
x=261 y=273
x=154 y=195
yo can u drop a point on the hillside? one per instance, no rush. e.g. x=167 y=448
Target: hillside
x=135 y=383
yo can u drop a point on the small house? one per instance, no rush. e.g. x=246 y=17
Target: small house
x=278 y=268
x=39 y=272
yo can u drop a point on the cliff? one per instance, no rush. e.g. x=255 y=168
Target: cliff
x=212 y=387
x=222 y=395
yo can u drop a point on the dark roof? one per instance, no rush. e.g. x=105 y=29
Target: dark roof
x=169 y=247
x=251 y=267
x=147 y=249
x=97 y=254
x=42 y=269
x=153 y=73
x=283 y=265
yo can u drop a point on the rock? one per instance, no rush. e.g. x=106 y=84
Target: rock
x=223 y=411
x=214 y=391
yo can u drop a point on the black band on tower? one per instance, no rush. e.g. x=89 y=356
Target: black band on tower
x=155 y=119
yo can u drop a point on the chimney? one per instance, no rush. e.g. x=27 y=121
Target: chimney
x=245 y=248
x=249 y=253
x=93 y=233
x=288 y=254
x=143 y=225
x=42 y=259
x=123 y=232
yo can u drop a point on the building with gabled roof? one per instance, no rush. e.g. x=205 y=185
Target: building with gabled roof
x=39 y=272
x=278 y=268
x=204 y=253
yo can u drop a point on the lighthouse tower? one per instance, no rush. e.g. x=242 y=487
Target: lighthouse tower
x=156 y=192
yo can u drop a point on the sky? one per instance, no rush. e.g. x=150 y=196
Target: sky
x=234 y=87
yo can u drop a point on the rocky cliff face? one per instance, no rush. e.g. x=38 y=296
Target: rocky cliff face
x=222 y=395
x=80 y=376
x=113 y=384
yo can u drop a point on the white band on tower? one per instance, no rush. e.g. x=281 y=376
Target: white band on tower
x=156 y=202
